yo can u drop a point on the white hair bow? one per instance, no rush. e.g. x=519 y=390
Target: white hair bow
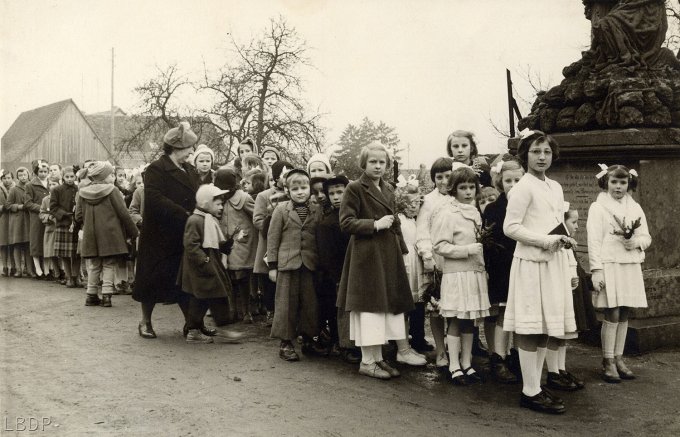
x=633 y=172
x=498 y=167
x=604 y=168
x=402 y=182
x=526 y=132
x=456 y=165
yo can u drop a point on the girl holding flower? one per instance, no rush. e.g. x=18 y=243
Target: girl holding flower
x=617 y=238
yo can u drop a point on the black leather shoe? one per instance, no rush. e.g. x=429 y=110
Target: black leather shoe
x=287 y=352
x=551 y=395
x=541 y=403
x=92 y=300
x=500 y=370
x=351 y=355
x=146 y=330
x=471 y=376
x=556 y=381
x=458 y=377
x=106 y=300
x=421 y=346
x=579 y=382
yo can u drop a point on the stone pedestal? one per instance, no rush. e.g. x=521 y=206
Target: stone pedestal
x=655 y=154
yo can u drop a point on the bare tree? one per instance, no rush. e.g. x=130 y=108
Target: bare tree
x=673 y=35
x=259 y=96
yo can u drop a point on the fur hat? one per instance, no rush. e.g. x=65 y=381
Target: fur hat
x=322 y=158
x=206 y=193
x=100 y=170
x=226 y=179
x=180 y=137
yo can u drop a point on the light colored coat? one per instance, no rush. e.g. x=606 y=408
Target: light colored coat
x=238 y=214
x=453 y=233
x=290 y=242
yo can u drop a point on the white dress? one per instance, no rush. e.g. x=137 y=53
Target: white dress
x=414 y=265
x=622 y=268
x=539 y=295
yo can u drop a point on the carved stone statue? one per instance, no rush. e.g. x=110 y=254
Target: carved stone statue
x=626 y=79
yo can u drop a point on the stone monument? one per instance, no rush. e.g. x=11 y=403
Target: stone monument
x=620 y=104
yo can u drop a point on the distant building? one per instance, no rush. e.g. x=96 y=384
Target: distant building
x=58 y=133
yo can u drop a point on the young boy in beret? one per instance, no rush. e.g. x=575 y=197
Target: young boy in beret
x=292 y=259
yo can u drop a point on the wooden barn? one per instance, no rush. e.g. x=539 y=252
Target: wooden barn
x=57 y=133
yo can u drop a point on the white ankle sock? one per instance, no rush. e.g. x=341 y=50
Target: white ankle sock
x=527 y=363
x=620 y=343
x=562 y=357
x=552 y=360
x=454 y=352
x=608 y=337
x=500 y=339
x=377 y=353
x=367 y=355
x=466 y=350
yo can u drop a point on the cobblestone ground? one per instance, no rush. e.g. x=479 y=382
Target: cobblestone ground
x=72 y=370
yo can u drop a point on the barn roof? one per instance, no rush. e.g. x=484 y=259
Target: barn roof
x=29 y=127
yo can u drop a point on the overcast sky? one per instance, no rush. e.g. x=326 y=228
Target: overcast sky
x=426 y=67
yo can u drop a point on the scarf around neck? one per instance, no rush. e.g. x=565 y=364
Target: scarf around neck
x=212 y=234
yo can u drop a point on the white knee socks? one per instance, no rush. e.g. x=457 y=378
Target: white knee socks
x=620 y=343
x=454 y=352
x=368 y=354
x=552 y=360
x=500 y=340
x=608 y=337
x=562 y=357
x=540 y=359
x=466 y=350
x=527 y=362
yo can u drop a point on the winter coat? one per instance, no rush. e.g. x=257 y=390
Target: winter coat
x=105 y=221
x=454 y=232
x=4 y=216
x=263 y=209
x=238 y=214
x=201 y=273
x=498 y=257
x=136 y=208
x=331 y=247
x=290 y=242
x=35 y=193
x=374 y=277
x=63 y=204
x=169 y=199
x=18 y=218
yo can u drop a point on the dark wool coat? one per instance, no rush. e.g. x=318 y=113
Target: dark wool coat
x=498 y=260
x=63 y=204
x=105 y=221
x=18 y=218
x=374 y=278
x=4 y=216
x=201 y=273
x=169 y=199
x=35 y=193
x=331 y=245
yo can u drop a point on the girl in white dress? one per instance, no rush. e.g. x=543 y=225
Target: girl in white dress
x=539 y=296
x=464 y=294
x=617 y=239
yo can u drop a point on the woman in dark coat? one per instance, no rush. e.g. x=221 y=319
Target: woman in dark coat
x=374 y=287
x=36 y=191
x=5 y=185
x=170 y=186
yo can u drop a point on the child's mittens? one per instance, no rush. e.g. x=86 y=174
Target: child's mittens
x=226 y=246
x=384 y=223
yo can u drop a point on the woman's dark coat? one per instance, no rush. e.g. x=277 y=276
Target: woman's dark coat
x=374 y=277
x=169 y=199
x=18 y=218
x=35 y=193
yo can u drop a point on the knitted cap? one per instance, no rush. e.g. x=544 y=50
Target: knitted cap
x=270 y=149
x=100 y=170
x=322 y=158
x=202 y=148
x=206 y=194
x=278 y=167
x=180 y=137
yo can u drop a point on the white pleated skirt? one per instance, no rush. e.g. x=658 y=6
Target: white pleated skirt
x=464 y=295
x=624 y=287
x=372 y=329
x=539 y=297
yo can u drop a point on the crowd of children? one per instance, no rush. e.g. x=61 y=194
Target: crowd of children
x=344 y=267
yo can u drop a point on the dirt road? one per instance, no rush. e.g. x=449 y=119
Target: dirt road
x=73 y=370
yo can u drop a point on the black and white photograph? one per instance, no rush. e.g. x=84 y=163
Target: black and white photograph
x=340 y=218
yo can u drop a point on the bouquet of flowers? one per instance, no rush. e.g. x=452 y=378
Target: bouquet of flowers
x=626 y=231
x=484 y=235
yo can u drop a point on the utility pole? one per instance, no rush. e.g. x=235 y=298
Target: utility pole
x=112 y=113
